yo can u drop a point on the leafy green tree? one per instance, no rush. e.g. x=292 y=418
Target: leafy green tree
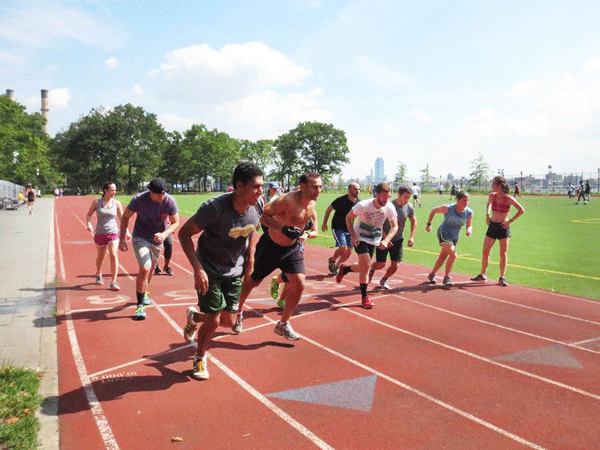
x=400 y=177
x=261 y=153
x=124 y=145
x=426 y=178
x=480 y=172
x=312 y=146
x=24 y=147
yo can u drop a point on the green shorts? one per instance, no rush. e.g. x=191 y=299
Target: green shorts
x=222 y=294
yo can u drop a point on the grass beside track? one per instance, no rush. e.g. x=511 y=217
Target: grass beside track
x=19 y=400
x=553 y=246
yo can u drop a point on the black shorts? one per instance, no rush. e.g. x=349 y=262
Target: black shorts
x=395 y=252
x=495 y=231
x=270 y=256
x=363 y=247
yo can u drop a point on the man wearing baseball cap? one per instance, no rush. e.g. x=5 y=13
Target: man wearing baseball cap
x=152 y=208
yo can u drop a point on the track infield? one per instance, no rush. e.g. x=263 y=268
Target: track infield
x=474 y=366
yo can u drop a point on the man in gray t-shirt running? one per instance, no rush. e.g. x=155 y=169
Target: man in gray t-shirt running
x=225 y=253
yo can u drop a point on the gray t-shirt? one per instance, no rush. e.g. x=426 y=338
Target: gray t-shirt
x=404 y=212
x=222 y=244
x=151 y=216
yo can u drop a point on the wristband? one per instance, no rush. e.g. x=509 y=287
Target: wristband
x=429 y=224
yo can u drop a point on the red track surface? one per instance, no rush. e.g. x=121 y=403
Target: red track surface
x=476 y=366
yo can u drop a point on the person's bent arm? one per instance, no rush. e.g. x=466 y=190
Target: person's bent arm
x=350 y=224
x=388 y=238
x=413 y=230
x=469 y=226
x=187 y=244
x=326 y=218
x=124 y=224
x=88 y=217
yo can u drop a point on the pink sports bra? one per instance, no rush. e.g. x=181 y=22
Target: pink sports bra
x=501 y=207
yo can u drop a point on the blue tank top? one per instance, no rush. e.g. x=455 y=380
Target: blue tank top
x=453 y=221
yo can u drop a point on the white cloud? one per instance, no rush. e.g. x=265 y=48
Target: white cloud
x=200 y=73
x=266 y=114
x=112 y=62
x=421 y=116
x=41 y=25
x=172 y=122
x=380 y=75
x=138 y=89
x=59 y=98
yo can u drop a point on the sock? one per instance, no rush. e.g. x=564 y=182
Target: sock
x=140 y=297
x=363 y=289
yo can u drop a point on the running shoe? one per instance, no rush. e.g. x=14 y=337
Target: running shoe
x=340 y=273
x=502 y=281
x=281 y=303
x=190 y=325
x=146 y=301
x=200 y=370
x=168 y=270
x=431 y=278
x=114 y=286
x=366 y=303
x=480 y=277
x=274 y=287
x=140 y=313
x=238 y=327
x=448 y=282
x=99 y=280
x=384 y=284
x=157 y=271
x=286 y=330
x=332 y=266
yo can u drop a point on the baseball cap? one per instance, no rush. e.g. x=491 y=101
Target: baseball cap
x=157 y=186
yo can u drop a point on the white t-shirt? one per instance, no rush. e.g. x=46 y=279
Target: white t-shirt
x=368 y=224
x=416 y=189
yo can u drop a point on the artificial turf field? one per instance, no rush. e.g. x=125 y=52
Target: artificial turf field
x=554 y=245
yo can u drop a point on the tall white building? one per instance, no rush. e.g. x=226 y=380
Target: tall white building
x=379 y=171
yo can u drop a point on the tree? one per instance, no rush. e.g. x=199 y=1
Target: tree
x=24 y=147
x=313 y=147
x=261 y=153
x=400 y=177
x=480 y=174
x=426 y=178
x=124 y=145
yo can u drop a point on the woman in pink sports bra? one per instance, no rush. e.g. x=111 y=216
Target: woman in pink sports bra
x=106 y=234
x=497 y=212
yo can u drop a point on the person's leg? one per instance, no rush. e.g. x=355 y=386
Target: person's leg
x=294 y=288
x=503 y=256
x=113 y=254
x=100 y=254
x=391 y=270
x=451 y=253
x=168 y=244
x=488 y=243
x=441 y=258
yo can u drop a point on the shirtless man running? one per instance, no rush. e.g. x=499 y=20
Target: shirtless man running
x=279 y=247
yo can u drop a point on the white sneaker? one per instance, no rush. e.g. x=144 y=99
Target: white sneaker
x=238 y=326
x=286 y=330
x=384 y=284
x=190 y=326
x=200 y=370
x=99 y=280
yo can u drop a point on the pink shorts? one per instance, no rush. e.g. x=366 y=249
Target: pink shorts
x=105 y=239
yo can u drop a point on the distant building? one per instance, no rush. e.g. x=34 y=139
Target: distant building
x=379 y=171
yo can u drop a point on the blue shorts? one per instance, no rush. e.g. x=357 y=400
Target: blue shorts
x=342 y=238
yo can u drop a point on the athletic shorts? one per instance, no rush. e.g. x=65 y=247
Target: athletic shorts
x=105 y=239
x=342 y=238
x=363 y=247
x=222 y=294
x=442 y=239
x=146 y=252
x=495 y=231
x=270 y=256
x=395 y=252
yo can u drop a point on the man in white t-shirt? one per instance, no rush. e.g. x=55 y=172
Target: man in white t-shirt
x=415 y=192
x=367 y=234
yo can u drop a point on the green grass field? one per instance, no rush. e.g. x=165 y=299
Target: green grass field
x=554 y=245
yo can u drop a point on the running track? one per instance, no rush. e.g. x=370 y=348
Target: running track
x=471 y=367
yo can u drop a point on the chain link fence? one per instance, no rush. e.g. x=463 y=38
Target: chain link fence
x=9 y=195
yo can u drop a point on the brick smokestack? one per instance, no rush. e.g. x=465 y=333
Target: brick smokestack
x=10 y=94
x=45 y=109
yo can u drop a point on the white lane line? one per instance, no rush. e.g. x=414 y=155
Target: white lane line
x=103 y=426
x=61 y=260
x=587 y=341
x=413 y=390
x=480 y=358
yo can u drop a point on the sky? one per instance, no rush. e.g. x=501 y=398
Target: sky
x=420 y=83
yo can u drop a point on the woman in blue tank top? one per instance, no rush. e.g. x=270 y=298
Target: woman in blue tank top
x=455 y=216
x=106 y=235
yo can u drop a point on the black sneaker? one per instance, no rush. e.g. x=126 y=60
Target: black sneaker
x=157 y=271
x=480 y=277
x=168 y=270
x=502 y=281
x=448 y=282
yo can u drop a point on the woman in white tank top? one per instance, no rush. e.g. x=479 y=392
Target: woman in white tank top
x=106 y=235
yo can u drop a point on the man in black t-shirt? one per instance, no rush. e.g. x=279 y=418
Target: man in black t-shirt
x=343 y=241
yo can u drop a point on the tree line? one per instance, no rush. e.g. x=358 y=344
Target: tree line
x=127 y=145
